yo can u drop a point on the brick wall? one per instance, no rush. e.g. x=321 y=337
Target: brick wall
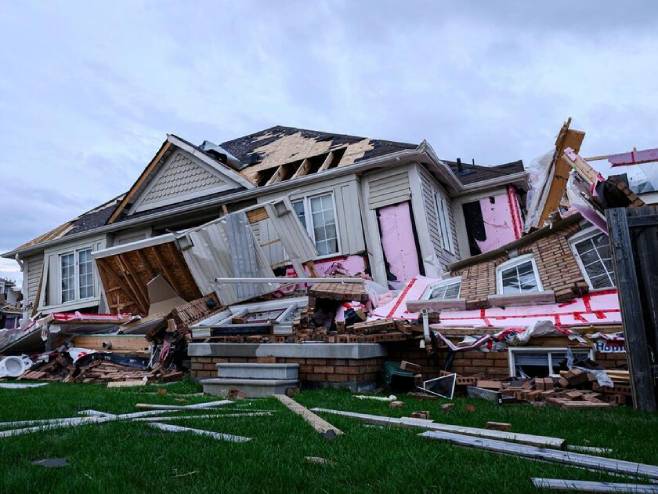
x=557 y=266
x=312 y=371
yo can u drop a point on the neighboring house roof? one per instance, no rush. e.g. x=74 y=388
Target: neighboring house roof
x=471 y=173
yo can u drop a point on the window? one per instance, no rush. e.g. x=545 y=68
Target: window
x=445 y=227
x=518 y=275
x=445 y=290
x=317 y=214
x=593 y=255
x=68 y=277
x=542 y=362
x=77 y=275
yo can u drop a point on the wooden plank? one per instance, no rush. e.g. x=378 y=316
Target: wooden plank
x=546 y=454
x=200 y=432
x=637 y=345
x=318 y=423
x=256 y=215
x=589 y=486
x=196 y=406
x=115 y=343
x=531 y=439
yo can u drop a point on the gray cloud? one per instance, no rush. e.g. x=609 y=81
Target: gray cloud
x=89 y=90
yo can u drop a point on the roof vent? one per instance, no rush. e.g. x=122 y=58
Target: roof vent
x=460 y=168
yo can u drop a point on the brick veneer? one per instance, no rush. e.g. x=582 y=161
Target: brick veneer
x=493 y=365
x=312 y=371
x=557 y=266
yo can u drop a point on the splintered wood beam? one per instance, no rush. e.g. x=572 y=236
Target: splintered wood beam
x=128 y=269
x=277 y=177
x=327 y=162
x=139 y=301
x=105 y=266
x=163 y=267
x=303 y=169
x=327 y=430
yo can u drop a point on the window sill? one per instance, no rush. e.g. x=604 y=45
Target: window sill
x=531 y=298
x=74 y=305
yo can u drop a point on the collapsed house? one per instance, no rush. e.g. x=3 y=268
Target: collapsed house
x=332 y=256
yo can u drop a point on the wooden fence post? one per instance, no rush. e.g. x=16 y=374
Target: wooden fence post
x=642 y=383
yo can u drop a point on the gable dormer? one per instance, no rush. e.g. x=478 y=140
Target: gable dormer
x=179 y=172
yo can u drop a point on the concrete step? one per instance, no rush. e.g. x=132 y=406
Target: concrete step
x=252 y=388
x=258 y=371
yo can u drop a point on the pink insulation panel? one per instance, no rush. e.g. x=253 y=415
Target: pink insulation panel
x=398 y=241
x=502 y=220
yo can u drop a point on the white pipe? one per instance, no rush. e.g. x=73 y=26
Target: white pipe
x=239 y=281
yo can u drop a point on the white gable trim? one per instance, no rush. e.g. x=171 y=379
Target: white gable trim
x=227 y=172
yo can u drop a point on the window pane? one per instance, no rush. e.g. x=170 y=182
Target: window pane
x=324 y=224
x=298 y=206
x=68 y=277
x=518 y=279
x=85 y=273
x=594 y=254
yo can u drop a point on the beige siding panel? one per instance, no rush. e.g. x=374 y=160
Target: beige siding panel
x=430 y=188
x=34 y=269
x=127 y=236
x=388 y=190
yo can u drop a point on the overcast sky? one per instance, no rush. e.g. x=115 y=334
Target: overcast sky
x=88 y=90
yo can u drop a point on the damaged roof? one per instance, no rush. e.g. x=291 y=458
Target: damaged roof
x=469 y=173
x=262 y=153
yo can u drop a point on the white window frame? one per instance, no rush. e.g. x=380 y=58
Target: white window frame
x=581 y=236
x=513 y=351
x=448 y=281
x=308 y=217
x=515 y=262
x=445 y=226
x=76 y=276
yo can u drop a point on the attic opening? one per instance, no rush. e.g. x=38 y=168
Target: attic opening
x=300 y=168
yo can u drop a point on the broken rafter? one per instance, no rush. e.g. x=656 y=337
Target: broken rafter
x=303 y=169
x=127 y=286
x=133 y=281
x=163 y=267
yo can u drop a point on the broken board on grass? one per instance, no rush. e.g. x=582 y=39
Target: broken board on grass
x=542 y=441
x=546 y=454
x=589 y=486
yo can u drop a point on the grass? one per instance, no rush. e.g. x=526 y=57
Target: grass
x=131 y=457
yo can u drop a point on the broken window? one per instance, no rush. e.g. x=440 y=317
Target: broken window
x=541 y=362
x=594 y=258
x=318 y=215
x=445 y=290
x=445 y=227
x=518 y=275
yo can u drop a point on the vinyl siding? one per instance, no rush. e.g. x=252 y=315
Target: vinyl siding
x=34 y=268
x=389 y=189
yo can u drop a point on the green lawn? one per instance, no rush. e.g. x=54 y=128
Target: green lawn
x=132 y=457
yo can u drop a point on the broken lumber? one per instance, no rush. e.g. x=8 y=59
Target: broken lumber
x=318 y=423
x=545 y=454
x=196 y=406
x=542 y=441
x=589 y=486
x=200 y=432
x=499 y=426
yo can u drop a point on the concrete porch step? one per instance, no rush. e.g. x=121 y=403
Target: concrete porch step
x=250 y=370
x=252 y=388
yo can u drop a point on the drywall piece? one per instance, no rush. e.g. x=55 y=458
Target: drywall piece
x=200 y=432
x=162 y=297
x=589 y=486
x=552 y=455
x=543 y=441
x=318 y=423
x=399 y=241
x=597 y=308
